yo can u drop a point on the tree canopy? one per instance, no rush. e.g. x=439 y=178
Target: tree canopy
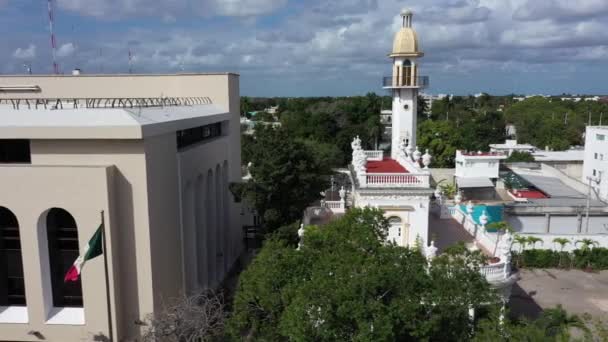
x=286 y=176
x=346 y=284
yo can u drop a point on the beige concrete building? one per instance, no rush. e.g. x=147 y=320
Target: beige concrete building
x=155 y=154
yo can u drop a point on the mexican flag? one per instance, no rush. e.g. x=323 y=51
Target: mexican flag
x=91 y=250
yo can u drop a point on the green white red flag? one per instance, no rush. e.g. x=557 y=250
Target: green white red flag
x=91 y=250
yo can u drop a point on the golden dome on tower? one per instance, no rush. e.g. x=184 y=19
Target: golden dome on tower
x=406 y=39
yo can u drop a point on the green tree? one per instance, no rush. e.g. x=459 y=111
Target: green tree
x=587 y=243
x=532 y=240
x=286 y=177
x=501 y=228
x=346 y=284
x=520 y=157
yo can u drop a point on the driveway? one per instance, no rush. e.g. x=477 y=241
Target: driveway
x=577 y=291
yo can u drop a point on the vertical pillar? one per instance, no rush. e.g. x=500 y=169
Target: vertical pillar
x=547 y=223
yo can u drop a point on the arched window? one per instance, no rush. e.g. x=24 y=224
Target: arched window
x=62 y=235
x=12 y=287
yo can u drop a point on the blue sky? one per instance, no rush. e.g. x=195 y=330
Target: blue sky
x=320 y=47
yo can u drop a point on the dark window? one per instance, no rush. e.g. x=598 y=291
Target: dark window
x=63 y=250
x=195 y=135
x=12 y=288
x=15 y=151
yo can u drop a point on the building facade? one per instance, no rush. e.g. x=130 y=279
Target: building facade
x=595 y=164
x=399 y=184
x=150 y=156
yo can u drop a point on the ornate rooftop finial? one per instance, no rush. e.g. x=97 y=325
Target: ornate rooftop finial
x=406 y=15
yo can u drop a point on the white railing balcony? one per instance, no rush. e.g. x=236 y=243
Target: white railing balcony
x=497 y=272
x=395 y=180
x=336 y=206
x=374 y=155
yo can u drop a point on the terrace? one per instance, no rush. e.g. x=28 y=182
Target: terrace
x=371 y=169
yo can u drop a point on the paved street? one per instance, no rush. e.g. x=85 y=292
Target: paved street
x=577 y=291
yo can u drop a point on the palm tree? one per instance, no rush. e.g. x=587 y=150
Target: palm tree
x=533 y=240
x=501 y=228
x=587 y=243
x=562 y=243
x=557 y=320
x=522 y=241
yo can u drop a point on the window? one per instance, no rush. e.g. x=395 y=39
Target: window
x=62 y=236
x=594 y=172
x=15 y=151
x=12 y=287
x=600 y=137
x=595 y=156
x=195 y=135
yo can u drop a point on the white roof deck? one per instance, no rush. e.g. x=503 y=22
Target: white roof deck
x=104 y=123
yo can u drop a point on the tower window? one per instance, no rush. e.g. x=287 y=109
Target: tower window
x=12 y=287
x=15 y=151
x=62 y=236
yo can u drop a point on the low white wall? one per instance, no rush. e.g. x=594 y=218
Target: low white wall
x=483 y=238
x=547 y=241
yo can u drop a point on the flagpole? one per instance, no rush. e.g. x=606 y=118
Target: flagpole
x=107 y=278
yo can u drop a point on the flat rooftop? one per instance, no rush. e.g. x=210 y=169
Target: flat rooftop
x=69 y=122
x=556 y=156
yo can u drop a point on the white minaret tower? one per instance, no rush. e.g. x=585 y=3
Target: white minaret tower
x=404 y=84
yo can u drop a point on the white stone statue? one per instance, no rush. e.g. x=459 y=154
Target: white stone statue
x=504 y=249
x=458 y=197
x=431 y=251
x=483 y=219
x=470 y=208
x=401 y=149
x=300 y=235
x=408 y=150
x=439 y=194
x=417 y=154
x=426 y=159
x=342 y=193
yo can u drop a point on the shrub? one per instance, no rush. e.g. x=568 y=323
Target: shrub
x=595 y=258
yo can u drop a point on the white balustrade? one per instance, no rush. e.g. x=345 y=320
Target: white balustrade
x=397 y=180
x=336 y=206
x=495 y=272
x=374 y=155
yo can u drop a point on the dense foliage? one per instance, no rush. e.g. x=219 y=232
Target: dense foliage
x=549 y=122
x=584 y=258
x=344 y=284
x=286 y=176
x=520 y=157
x=553 y=325
x=328 y=124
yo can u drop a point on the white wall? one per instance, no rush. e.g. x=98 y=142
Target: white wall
x=476 y=166
x=596 y=158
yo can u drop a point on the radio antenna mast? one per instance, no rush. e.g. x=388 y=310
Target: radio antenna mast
x=53 y=41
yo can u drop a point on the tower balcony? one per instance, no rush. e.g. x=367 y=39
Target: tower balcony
x=396 y=82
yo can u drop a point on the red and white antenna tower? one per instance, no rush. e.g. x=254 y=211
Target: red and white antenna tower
x=53 y=41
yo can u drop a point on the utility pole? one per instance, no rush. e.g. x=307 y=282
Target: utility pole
x=597 y=181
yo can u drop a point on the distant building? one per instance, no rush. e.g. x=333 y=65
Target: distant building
x=595 y=166
x=430 y=98
x=76 y=150
x=511 y=146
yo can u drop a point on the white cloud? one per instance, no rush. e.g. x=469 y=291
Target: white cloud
x=66 y=50
x=241 y=8
x=167 y=9
x=28 y=53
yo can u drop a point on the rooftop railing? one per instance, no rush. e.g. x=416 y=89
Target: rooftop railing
x=405 y=82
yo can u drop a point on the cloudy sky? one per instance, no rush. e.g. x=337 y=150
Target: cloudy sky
x=321 y=47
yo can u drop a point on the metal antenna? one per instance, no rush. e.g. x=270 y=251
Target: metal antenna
x=53 y=40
